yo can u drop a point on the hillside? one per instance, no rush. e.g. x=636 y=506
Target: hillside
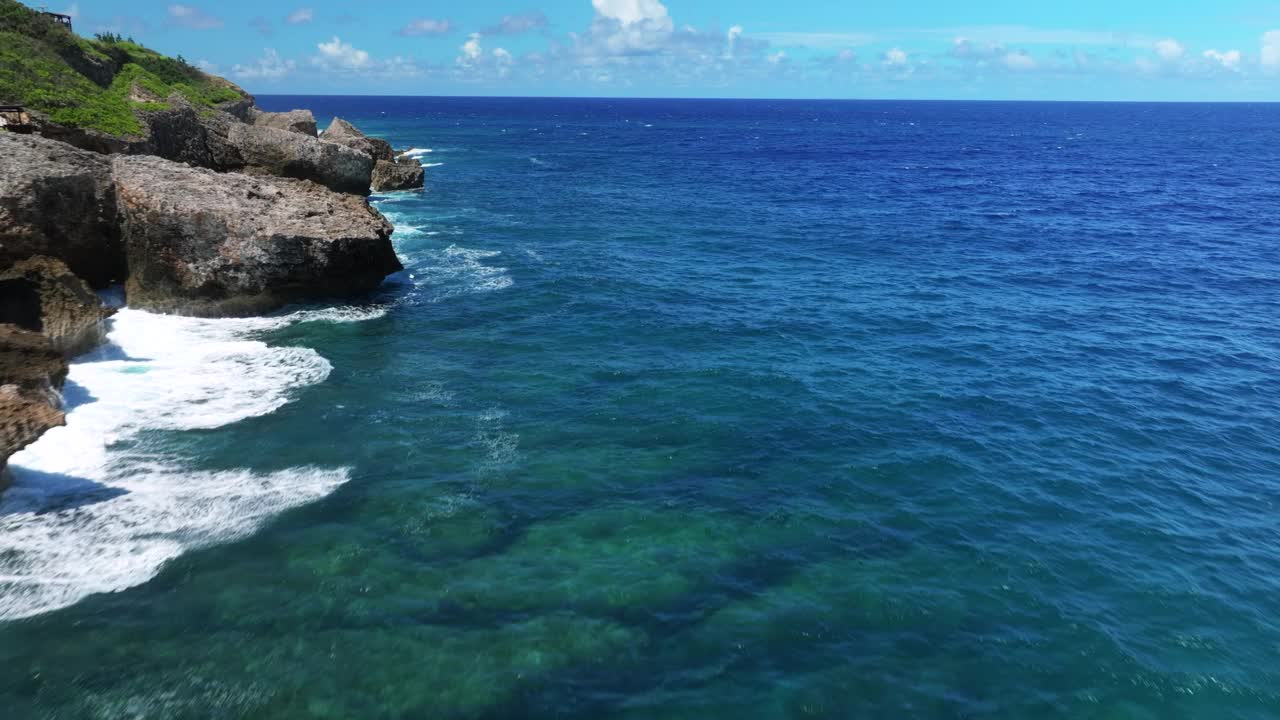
x=100 y=84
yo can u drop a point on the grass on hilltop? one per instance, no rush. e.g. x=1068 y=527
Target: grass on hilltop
x=89 y=83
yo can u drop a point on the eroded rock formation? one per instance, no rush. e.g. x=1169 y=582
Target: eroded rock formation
x=31 y=372
x=40 y=294
x=210 y=244
x=58 y=201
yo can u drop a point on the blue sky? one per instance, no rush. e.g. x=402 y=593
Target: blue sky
x=998 y=49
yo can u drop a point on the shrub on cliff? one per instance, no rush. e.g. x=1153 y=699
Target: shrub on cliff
x=91 y=83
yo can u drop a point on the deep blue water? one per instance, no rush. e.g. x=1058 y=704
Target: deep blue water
x=712 y=409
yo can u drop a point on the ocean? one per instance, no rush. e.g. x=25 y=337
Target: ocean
x=700 y=409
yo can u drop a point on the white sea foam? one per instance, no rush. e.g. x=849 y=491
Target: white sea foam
x=416 y=152
x=94 y=510
x=431 y=165
x=454 y=271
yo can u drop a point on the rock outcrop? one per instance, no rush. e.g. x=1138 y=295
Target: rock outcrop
x=209 y=244
x=401 y=174
x=344 y=133
x=186 y=134
x=31 y=372
x=58 y=201
x=296 y=121
x=270 y=151
x=389 y=172
x=40 y=294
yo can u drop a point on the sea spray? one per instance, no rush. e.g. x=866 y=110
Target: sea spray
x=92 y=510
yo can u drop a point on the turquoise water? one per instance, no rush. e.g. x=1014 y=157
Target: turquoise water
x=701 y=410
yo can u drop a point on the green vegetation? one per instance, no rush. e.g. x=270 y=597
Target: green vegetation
x=99 y=84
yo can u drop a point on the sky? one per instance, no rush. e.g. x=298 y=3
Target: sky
x=1146 y=50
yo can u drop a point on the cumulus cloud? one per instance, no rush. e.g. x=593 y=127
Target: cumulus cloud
x=895 y=57
x=192 y=18
x=471 y=50
x=338 y=55
x=1229 y=59
x=1170 y=50
x=517 y=24
x=268 y=67
x=630 y=12
x=1270 y=57
x=301 y=16
x=777 y=58
x=426 y=26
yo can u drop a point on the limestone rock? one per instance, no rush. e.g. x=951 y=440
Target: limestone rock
x=271 y=151
x=59 y=201
x=41 y=294
x=296 y=121
x=31 y=371
x=403 y=174
x=209 y=244
x=344 y=133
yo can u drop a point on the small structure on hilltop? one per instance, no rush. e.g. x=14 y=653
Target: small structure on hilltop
x=63 y=20
x=15 y=118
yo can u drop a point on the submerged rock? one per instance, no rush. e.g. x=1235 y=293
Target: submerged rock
x=270 y=151
x=295 y=121
x=59 y=201
x=341 y=132
x=209 y=244
x=31 y=372
x=42 y=295
x=402 y=174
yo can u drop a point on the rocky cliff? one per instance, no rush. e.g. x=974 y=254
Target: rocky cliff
x=142 y=170
x=209 y=244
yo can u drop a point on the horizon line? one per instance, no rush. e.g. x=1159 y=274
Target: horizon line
x=770 y=99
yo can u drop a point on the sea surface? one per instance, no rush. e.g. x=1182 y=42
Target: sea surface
x=701 y=409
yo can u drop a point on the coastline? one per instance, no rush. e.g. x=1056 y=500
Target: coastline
x=210 y=218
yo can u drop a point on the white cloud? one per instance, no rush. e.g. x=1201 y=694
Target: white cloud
x=817 y=40
x=1019 y=60
x=1170 y=50
x=426 y=26
x=630 y=12
x=301 y=16
x=501 y=56
x=207 y=66
x=847 y=56
x=471 y=50
x=777 y=58
x=895 y=58
x=191 y=17
x=268 y=67
x=337 y=55
x=1229 y=59
x=1270 y=57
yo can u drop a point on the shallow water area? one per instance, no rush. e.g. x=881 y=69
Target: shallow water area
x=688 y=409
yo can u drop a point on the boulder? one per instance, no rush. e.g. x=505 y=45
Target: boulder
x=31 y=372
x=42 y=295
x=186 y=134
x=271 y=151
x=296 y=121
x=59 y=201
x=403 y=174
x=344 y=133
x=209 y=244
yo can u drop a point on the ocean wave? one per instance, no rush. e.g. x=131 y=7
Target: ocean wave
x=454 y=271
x=416 y=152
x=92 y=512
